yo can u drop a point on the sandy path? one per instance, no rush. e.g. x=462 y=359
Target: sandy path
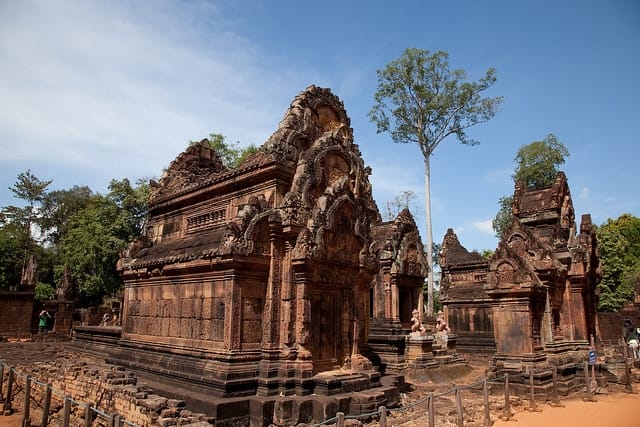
x=616 y=410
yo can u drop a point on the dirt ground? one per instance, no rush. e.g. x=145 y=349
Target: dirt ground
x=615 y=410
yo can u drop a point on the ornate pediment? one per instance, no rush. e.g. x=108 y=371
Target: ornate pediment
x=193 y=166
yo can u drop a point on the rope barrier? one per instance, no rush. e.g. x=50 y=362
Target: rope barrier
x=497 y=380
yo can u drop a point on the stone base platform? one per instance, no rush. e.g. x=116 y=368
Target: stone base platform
x=349 y=391
x=339 y=392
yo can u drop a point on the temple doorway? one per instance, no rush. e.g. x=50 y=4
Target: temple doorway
x=325 y=337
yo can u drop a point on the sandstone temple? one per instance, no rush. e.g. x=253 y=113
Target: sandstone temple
x=533 y=303
x=256 y=280
x=273 y=291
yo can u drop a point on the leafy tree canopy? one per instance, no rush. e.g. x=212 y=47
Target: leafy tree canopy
x=537 y=163
x=11 y=253
x=537 y=166
x=96 y=235
x=420 y=100
x=58 y=206
x=504 y=217
x=231 y=155
x=619 y=245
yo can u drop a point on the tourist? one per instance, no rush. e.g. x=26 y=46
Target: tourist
x=631 y=338
x=105 y=319
x=44 y=319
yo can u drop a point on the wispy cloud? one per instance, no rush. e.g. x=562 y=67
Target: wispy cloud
x=498 y=176
x=483 y=226
x=584 y=193
x=131 y=81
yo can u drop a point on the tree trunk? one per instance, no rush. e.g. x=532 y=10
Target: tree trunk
x=427 y=190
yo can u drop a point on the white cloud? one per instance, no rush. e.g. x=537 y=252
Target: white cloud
x=483 y=226
x=119 y=88
x=584 y=193
x=498 y=176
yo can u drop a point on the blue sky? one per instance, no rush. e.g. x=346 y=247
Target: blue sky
x=95 y=90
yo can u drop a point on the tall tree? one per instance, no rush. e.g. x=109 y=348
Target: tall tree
x=420 y=100
x=537 y=162
x=537 y=166
x=32 y=191
x=58 y=206
x=11 y=253
x=619 y=246
x=96 y=234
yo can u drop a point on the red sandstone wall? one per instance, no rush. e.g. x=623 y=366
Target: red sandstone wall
x=16 y=311
x=610 y=325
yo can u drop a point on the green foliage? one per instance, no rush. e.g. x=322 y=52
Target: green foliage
x=420 y=100
x=96 y=234
x=58 y=206
x=537 y=162
x=11 y=254
x=45 y=292
x=132 y=202
x=537 y=166
x=231 y=155
x=17 y=243
x=504 y=217
x=29 y=188
x=90 y=247
x=619 y=245
x=487 y=253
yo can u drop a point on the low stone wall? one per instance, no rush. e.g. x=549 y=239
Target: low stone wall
x=108 y=389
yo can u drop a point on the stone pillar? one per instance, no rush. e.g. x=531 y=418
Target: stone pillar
x=580 y=329
x=395 y=299
x=303 y=362
x=64 y=317
x=268 y=369
x=232 y=314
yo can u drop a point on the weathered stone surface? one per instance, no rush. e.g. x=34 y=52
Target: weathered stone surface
x=534 y=300
x=253 y=280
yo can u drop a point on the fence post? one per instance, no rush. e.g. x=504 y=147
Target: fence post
x=485 y=398
x=45 y=406
x=340 y=419
x=432 y=415
x=26 y=421
x=458 y=394
x=627 y=374
x=383 y=416
x=587 y=382
x=556 y=399
x=506 y=412
x=117 y=421
x=88 y=417
x=67 y=411
x=1 y=379
x=532 y=403
x=6 y=407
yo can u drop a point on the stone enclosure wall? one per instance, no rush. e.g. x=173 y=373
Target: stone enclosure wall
x=108 y=389
x=16 y=311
